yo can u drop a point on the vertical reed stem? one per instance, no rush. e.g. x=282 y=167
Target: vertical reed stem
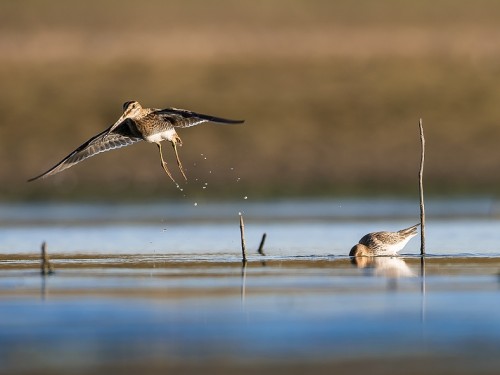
x=421 y=191
x=243 y=246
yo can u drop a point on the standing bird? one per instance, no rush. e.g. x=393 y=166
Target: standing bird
x=383 y=243
x=137 y=124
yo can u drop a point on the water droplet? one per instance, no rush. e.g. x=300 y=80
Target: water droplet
x=209 y=172
x=204 y=187
x=245 y=197
x=239 y=213
x=238 y=179
x=164 y=229
x=206 y=183
x=232 y=168
x=195 y=204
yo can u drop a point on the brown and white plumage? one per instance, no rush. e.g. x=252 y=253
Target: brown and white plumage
x=383 y=243
x=136 y=124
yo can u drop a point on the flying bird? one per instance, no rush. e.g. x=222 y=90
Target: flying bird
x=383 y=243
x=139 y=124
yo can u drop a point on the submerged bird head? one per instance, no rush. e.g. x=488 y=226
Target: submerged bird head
x=360 y=250
x=361 y=256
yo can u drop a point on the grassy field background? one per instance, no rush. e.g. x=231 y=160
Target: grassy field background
x=331 y=92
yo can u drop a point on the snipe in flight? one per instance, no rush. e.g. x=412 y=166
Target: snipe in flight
x=137 y=124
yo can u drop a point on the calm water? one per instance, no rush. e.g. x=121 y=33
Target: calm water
x=162 y=287
x=293 y=227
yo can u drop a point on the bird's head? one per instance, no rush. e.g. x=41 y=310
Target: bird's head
x=131 y=108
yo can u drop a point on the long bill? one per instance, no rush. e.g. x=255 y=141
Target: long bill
x=116 y=124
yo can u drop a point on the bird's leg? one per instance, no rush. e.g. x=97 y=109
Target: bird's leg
x=174 y=145
x=164 y=163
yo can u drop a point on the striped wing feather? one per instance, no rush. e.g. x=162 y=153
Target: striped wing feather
x=120 y=137
x=182 y=118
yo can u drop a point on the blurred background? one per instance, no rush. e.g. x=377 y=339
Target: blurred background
x=331 y=92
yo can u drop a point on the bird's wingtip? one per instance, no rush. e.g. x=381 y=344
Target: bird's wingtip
x=40 y=176
x=234 y=121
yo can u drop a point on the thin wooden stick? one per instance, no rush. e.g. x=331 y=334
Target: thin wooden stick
x=421 y=190
x=261 y=246
x=243 y=246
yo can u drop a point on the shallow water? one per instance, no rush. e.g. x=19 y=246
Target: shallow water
x=134 y=291
x=327 y=227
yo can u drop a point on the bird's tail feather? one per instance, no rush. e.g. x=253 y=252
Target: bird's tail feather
x=409 y=231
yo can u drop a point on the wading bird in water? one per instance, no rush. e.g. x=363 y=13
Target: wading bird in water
x=383 y=243
x=139 y=124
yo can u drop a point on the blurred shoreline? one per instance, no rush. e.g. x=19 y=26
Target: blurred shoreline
x=331 y=94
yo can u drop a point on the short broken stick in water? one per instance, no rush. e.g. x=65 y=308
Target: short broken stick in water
x=45 y=266
x=261 y=246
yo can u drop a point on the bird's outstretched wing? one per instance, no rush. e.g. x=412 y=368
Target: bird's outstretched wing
x=120 y=137
x=182 y=118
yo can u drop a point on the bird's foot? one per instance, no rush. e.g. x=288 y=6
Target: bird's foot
x=165 y=168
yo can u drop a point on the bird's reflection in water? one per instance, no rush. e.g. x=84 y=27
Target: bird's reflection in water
x=392 y=267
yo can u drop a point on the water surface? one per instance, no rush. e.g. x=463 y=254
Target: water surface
x=325 y=227
x=138 y=290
